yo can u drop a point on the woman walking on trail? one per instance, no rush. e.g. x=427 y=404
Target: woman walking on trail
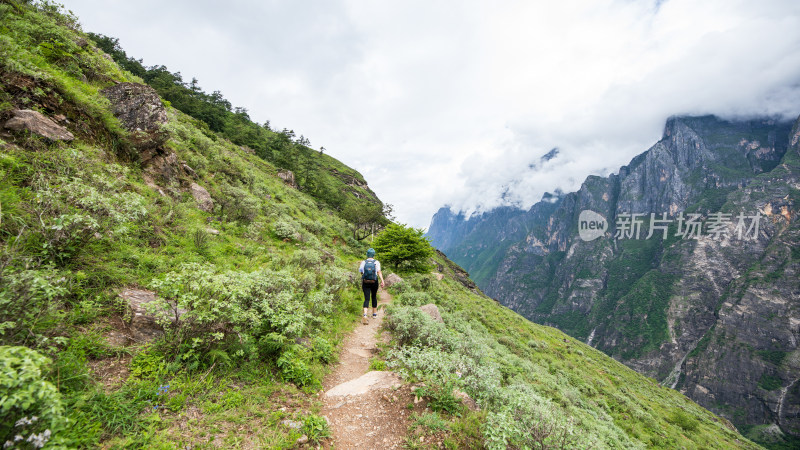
x=370 y=270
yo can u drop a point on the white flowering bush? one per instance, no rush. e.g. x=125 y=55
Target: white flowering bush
x=285 y=229
x=414 y=298
x=30 y=407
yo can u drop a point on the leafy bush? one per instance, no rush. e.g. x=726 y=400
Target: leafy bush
x=315 y=427
x=148 y=364
x=30 y=407
x=414 y=298
x=444 y=359
x=411 y=326
x=322 y=350
x=295 y=370
x=309 y=259
x=377 y=364
x=683 y=420
x=29 y=301
x=338 y=279
x=63 y=236
x=286 y=230
x=213 y=307
x=237 y=203
x=441 y=397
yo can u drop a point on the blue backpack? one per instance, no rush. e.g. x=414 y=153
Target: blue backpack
x=370 y=272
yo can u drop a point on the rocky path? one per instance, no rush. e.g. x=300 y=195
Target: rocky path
x=365 y=409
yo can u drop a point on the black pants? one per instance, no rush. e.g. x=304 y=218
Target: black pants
x=370 y=289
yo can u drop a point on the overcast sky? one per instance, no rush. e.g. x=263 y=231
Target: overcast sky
x=455 y=102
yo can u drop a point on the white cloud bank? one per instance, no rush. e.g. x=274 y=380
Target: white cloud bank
x=451 y=102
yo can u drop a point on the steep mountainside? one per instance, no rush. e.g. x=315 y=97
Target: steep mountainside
x=711 y=311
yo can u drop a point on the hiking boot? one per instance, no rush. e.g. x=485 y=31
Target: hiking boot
x=374 y=316
x=364 y=319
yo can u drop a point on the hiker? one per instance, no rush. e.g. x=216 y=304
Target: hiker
x=370 y=270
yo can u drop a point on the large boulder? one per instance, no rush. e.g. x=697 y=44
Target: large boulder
x=202 y=197
x=138 y=107
x=38 y=124
x=433 y=311
x=391 y=279
x=143 y=326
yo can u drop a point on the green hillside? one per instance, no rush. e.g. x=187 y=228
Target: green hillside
x=254 y=283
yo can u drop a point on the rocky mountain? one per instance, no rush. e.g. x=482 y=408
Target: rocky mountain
x=708 y=304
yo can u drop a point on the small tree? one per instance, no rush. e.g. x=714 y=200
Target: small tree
x=403 y=247
x=363 y=217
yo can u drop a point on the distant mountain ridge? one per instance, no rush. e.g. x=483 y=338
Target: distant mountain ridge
x=718 y=319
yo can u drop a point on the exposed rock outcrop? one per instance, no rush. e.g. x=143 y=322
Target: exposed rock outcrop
x=716 y=318
x=36 y=123
x=202 y=197
x=288 y=177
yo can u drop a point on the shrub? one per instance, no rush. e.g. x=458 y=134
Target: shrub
x=320 y=304
x=441 y=397
x=377 y=364
x=62 y=237
x=414 y=299
x=309 y=259
x=286 y=230
x=237 y=203
x=338 y=279
x=295 y=370
x=315 y=427
x=29 y=300
x=322 y=350
x=30 y=406
x=411 y=326
x=683 y=420
x=217 y=306
x=528 y=421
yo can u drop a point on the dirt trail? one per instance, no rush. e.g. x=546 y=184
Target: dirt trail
x=364 y=409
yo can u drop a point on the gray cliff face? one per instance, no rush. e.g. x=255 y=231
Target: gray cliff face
x=717 y=317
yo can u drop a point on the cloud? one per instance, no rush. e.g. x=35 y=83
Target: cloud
x=440 y=103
